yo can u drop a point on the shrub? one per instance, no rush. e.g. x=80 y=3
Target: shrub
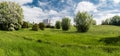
x=65 y=24
x=58 y=25
x=52 y=26
x=83 y=21
x=17 y=26
x=48 y=26
x=25 y=25
x=11 y=13
x=42 y=26
x=35 y=27
x=93 y=22
x=11 y=27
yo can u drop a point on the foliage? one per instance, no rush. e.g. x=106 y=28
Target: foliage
x=11 y=27
x=17 y=26
x=35 y=27
x=52 y=27
x=42 y=26
x=93 y=22
x=83 y=21
x=106 y=22
x=48 y=26
x=65 y=24
x=115 y=20
x=58 y=24
x=10 y=13
x=25 y=24
x=112 y=21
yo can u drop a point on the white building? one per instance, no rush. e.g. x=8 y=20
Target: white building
x=48 y=22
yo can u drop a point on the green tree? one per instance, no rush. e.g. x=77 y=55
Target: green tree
x=83 y=21
x=35 y=27
x=25 y=25
x=115 y=20
x=65 y=24
x=93 y=22
x=42 y=26
x=58 y=25
x=106 y=22
x=10 y=13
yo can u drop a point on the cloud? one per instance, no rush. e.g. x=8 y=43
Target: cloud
x=32 y=14
x=85 y=6
x=53 y=12
x=116 y=1
x=102 y=15
x=37 y=10
x=62 y=1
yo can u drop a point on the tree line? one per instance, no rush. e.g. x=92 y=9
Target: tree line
x=115 y=20
x=11 y=18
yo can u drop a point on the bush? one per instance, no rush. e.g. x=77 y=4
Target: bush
x=93 y=22
x=42 y=26
x=11 y=13
x=35 y=27
x=48 y=26
x=17 y=26
x=65 y=24
x=11 y=29
x=25 y=25
x=83 y=21
x=58 y=25
x=52 y=26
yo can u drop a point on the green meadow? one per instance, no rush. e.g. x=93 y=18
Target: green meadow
x=98 y=41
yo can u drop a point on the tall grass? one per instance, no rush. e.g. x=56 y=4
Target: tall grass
x=52 y=42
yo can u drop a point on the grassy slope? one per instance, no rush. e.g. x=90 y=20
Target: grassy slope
x=98 y=41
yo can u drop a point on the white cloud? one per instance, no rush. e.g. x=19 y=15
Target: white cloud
x=34 y=14
x=62 y=0
x=85 y=6
x=102 y=15
x=116 y=1
x=102 y=0
x=53 y=12
x=43 y=3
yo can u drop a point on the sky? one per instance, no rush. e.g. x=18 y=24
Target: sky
x=37 y=10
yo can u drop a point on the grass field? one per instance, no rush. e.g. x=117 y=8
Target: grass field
x=98 y=41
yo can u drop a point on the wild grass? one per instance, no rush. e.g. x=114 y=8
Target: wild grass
x=98 y=41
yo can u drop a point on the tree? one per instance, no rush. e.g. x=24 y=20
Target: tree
x=83 y=21
x=58 y=25
x=35 y=27
x=115 y=20
x=106 y=22
x=10 y=13
x=93 y=22
x=25 y=25
x=42 y=26
x=65 y=24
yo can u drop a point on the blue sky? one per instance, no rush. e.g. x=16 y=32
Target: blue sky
x=37 y=10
